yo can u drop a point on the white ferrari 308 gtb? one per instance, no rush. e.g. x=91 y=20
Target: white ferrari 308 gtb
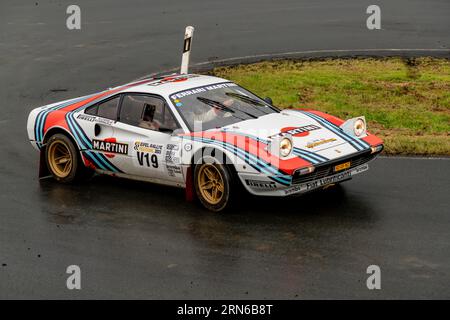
x=201 y=133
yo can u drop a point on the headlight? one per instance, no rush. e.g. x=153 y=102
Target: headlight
x=356 y=127
x=377 y=149
x=359 y=127
x=285 y=147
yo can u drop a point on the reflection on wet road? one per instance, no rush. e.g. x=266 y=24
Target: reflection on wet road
x=133 y=239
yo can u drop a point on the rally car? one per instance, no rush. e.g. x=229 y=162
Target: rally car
x=202 y=133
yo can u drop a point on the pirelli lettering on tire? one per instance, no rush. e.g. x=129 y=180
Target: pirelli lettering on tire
x=110 y=147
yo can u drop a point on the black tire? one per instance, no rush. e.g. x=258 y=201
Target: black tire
x=62 y=146
x=226 y=175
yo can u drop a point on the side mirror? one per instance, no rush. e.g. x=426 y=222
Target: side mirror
x=268 y=100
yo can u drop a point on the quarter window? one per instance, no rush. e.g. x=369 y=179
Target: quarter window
x=108 y=109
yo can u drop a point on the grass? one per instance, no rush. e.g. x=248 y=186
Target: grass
x=406 y=101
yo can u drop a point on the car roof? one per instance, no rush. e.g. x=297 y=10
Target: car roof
x=167 y=85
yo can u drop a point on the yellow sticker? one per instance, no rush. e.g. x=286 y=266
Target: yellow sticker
x=342 y=166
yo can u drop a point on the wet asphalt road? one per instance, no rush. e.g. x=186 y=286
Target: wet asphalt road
x=135 y=240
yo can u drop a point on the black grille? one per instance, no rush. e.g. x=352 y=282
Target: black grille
x=326 y=170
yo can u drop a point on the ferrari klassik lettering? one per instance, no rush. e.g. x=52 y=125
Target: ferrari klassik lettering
x=113 y=147
x=319 y=142
x=239 y=137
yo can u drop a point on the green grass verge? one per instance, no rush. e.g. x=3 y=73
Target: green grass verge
x=406 y=101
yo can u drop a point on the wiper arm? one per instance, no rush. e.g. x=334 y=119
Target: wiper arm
x=250 y=101
x=215 y=104
x=245 y=98
x=221 y=106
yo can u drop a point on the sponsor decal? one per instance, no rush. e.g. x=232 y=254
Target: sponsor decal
x=260 y=184
x=190 y=92
x=147 y=160
x=147 y=147
x=325 y=181
x=90 y=118
x=172 y=147
x=173 y=170
x=171 y=157
x=110 y=147
x=297 y=131
x=316 y=143
x=172 y=79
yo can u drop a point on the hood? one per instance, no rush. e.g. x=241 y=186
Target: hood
x=309 y=133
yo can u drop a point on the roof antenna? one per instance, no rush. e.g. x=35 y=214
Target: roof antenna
x=188 y=33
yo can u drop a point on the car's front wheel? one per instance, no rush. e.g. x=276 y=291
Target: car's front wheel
x=62 y=158
x=212 y=181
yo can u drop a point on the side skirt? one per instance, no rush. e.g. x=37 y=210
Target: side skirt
x=145 y=179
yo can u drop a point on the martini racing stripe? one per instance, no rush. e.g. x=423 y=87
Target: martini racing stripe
x=307 y=155
x=311 y=157
x=89 y=155
x=242 y=154
x=334 y=129
x=97 y=158
x=358 y=144
x=256 y=163
x=265 y=141
x=42 y=117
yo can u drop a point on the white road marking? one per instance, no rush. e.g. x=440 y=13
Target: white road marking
x=415 y=157
x=293 y=53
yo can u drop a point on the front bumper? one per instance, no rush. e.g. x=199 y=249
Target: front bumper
x=322 y=176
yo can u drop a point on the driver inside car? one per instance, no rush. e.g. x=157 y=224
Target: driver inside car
x=206 y=114
x=148 y=121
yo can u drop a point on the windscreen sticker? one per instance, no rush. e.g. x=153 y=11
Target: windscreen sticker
x=186 y=93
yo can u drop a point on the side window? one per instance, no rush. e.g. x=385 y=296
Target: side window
x=108 y=109
x=166 y=118
x=146 y=112
x=132 y=109
x=92 y=110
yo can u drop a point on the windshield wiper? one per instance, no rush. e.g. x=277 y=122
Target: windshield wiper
x=250 y=101
x=215 y=104
x=221 y=106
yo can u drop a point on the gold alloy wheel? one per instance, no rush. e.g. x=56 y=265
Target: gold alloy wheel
x=210 y=183
x=60 y=158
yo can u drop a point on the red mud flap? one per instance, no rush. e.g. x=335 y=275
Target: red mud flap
x=189 y=191
x=43 y=169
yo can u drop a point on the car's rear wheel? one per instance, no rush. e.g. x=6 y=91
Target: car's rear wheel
x=212 y=182
x=62 y=158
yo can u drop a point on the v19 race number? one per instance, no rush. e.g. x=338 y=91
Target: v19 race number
x=145 y=159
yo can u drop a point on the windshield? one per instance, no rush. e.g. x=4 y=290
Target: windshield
x=218 y=105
